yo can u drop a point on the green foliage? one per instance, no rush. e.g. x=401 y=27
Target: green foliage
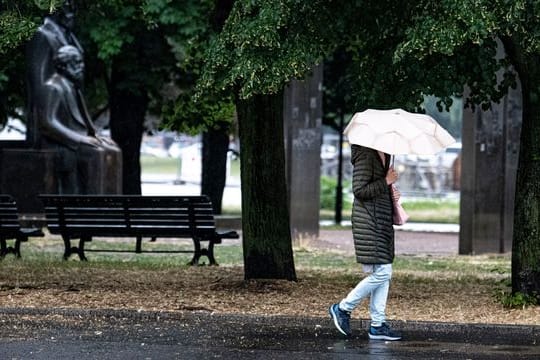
x=49 y=5
x=266 y=43
x=158 y=44
x=109 y=34
x=193 y=115
x=15 y=29
x=404 y=52
x=459 y=38
x=18 y=21
x=443 y=26
x=328 y=193
x=371 y=36
x=516 y=300
x=181 y=110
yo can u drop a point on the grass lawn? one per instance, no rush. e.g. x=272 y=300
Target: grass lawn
x=157 y=165
x=427 y=210
x=433 y=210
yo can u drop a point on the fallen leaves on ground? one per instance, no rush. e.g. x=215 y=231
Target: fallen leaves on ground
x=224 y=290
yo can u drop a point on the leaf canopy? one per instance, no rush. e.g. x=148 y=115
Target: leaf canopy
x=266 y=43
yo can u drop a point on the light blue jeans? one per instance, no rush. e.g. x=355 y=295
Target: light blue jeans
x=376 y=286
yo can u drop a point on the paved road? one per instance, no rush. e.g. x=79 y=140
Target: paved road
x=407 y=242
x=105 y=334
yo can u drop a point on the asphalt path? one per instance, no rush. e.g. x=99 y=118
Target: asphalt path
x=108 y=334
x=407 y=242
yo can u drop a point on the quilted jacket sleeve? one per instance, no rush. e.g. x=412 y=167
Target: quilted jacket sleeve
x=366 y=186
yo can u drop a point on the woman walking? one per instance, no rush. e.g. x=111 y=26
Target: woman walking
x=373 y=234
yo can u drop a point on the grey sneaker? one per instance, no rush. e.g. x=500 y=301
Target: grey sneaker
x=341 y=319
x=383 y=332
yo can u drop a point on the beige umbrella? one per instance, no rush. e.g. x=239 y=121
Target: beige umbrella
x=398 y=132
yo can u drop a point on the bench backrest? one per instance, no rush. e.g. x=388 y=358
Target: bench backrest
x=9 y=218
x=116 y=215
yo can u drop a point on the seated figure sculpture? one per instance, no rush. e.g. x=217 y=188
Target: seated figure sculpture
x=65 y=125
x=56 y=31
x=62 y=152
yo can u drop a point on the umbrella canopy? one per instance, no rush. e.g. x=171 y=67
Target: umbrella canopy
x=398 y=132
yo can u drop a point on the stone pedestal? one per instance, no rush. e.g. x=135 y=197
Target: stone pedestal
x=105 y=173
x=26 y=173
x=303 y=136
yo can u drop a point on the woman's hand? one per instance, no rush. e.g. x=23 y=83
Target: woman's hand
x=391 y=176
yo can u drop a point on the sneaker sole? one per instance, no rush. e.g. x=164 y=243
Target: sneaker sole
x=336 y=323
x=384 y=337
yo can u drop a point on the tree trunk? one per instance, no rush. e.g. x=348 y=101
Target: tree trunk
x=526 y=239
x=128 y=110
x=266 y=230
x=214 y=164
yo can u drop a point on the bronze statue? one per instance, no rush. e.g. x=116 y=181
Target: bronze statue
x=58 y=119
x=55 y=32
x=63 y=153
x=65 y=124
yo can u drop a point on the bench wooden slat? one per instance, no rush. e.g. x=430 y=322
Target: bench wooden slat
x=10 y=227
x=87 y=216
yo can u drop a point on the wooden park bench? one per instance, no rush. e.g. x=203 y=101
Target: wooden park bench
x=11 y=229
x=84 y=217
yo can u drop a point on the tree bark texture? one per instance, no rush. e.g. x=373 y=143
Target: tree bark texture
x=127 y=110
x=266 y=230
x=214 y=164
x=526 y=239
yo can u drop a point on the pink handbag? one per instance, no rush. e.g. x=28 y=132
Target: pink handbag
x=400 y=217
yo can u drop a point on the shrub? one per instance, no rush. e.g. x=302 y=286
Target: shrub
x=328 y=193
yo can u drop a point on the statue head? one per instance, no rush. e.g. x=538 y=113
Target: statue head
x=65 y=16
x=68 y=61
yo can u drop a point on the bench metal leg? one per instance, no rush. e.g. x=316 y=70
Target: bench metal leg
x=198 y=252
x=71 y=250
x=80 y=250
x=138 y=245
x=16 y=250
x=68 y=250
x=3 y=247
x=18 y=241
x=210 y=253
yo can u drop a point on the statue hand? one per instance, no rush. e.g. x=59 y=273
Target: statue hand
x=108 y=143
x=91 y=141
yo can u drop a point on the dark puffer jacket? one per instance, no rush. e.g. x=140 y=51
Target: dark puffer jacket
x=372 y=227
